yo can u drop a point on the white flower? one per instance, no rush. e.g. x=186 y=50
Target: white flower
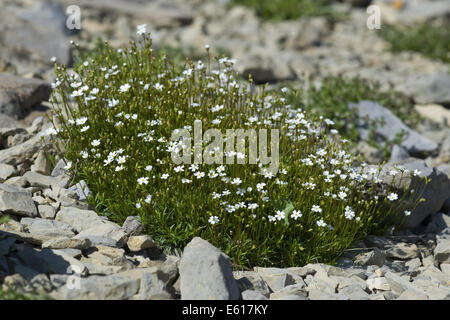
x=141 y=29
x=316 y=209
x=77 y=93
x=164 y=176
x=416 y=172
x=407 y=213
x=84 y=154
x=142 y=180
x=252 y=206
x=184 y=180
x=213 y=220
x=81 y=121
x=138 y=205
x=280 y=215
x=296 y=214
x=85 y=128
x=118 y=168
x=178 y=168
x=342 y=195
x=125 y=87
x=95 y=143
x=321 y=223
x=260 y=186
x=271 y=218
x=148 y=168
x=148 y=199
x=68 y=165
x=158 y=86
x=349 y=213
x=236 y=181
x=199 y=174
x=53 y=59
x=392 y=196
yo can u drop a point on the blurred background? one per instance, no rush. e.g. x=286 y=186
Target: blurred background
x=402 y=63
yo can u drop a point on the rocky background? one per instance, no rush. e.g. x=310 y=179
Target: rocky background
x=54 y=238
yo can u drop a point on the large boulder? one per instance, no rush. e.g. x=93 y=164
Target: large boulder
x=388 y=127
x=206 y=273
x=435 y=192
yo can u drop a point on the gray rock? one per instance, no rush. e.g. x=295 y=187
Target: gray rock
x=403 y=251
x=25 y=237
x=317 y=294
x=79 y=219
x=100 y=240
x=152 y=288
x=412 y=295
x=379 y=283
x=206 y=273
x=23 y=152
x=138 y=243
x=436 y=192
x=46 y=211
x=41 y=164
x=374 y=257
x=17 y=203
x=110 y=287
x=106 y=230
x=58 y=170
x=369 y=111
x=81 y=189
x=413 y=265
x=252 y=295
x=355 y=292
x=41 y=284
x=49 y=261
x=132 y=225
x=398 y=153
x=400 y=284
x=42 y=181
x=277 y=296
x=439 y=222
x=442 y=251
x=49 y=228
x=37 y=33
x=64 y=243
x=18 y=95
x=428 y=88
x=6 y=171
x=298 y=289
x=250 y=280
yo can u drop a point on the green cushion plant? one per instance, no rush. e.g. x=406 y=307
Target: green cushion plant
x=114 y=116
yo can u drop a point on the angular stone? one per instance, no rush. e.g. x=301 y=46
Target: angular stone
x=413 y=265
x=206 y=273
x=132 y=225
x=79 y=219
x=379 y=283
x=399 y=284
x=42 y=181
x=355 y=292
x=105 y=230
x=403 y=251
x=6 y=171
x=17 y=203
x=46 y=211
x=25 y=237
x=64 y=243
x=138 y=243
x=81 y=189
x=48 y=228
x=442 y=252
x=152 y=288
x=111 y=287
x=414 y=143
x=41 y=164
x=252 y=295
x=18 y=95
x=23 y=152
x=412 y=295
x=250 y=280
x=59 y=170
x=374 y=257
